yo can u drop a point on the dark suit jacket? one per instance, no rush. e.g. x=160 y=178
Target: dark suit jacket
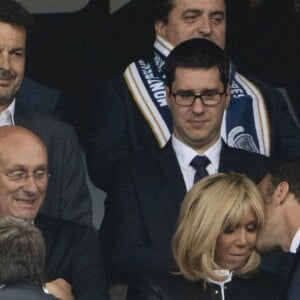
x=20 y=291
x=292 y=291
x=73 y=253
x=118 y=130
x=34 y=96
x=67 y=196
x=262 y=286
x=143 y=205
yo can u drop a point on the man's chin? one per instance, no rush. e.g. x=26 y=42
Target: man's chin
x=25 y=215
x=262 y=246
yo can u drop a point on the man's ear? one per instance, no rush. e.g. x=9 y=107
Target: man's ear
x=280 y=193
x=160 y=28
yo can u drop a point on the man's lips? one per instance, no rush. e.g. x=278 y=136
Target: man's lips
x=197 y=122
x=4 y=82
x=25 y=201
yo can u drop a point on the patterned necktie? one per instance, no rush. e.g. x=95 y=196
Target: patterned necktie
x=199 y=163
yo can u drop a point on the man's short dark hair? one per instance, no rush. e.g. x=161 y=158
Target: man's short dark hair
x=15 y=14
x=287 y=170
x=162 y=8
x=22 y=252
x=194 y=54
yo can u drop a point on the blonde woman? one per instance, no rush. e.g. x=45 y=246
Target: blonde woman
x=214 y=245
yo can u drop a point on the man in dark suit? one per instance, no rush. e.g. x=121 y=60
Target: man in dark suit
x=143 y=205
x=129 y=114
x=280 y=189
x=67 y=196
x=74 y=263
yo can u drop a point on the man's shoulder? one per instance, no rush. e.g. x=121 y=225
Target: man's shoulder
x=150 y=160
x=55 y=225
x=115 y=86
x=241 y=153
x=32 y=88
x=242 y=159
x=39 y=120
x=35 y=96
x=264 y=87
x=254 y=165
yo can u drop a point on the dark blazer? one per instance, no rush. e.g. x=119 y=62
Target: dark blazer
x=67 y=196
x=34 y=96
x=21 y=291
x=73 y=253
x=143 y=205
x=118 y=129
x=262 y=286
x=293 y=286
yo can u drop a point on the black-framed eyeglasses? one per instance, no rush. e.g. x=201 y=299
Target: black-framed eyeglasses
x=21 y=176
x=188 y=98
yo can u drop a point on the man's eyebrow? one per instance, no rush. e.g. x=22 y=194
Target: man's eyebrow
x=17 y=49
x=212 y=90
x=20 y=167
x=218 y=12
x=16 y=168
x=192 y=10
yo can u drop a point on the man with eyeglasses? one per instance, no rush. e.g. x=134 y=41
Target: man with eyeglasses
x=143 y=206
x=130 y=114
x=74 y=265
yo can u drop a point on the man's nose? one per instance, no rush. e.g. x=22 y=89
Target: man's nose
x=5 y=61
x=198 y=106
x=204 y=26
x=30 y=185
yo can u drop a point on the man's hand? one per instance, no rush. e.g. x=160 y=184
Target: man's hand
x=60 y=289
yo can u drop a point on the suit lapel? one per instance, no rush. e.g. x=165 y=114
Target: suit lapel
x=22 y=117
x=227 y=160
x=171 y=171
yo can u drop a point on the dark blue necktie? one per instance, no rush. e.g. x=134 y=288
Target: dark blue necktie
x=199 y=163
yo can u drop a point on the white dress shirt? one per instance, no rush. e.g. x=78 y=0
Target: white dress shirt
x=7 y=116
x=295 y=242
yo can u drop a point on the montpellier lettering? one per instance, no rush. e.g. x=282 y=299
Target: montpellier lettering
x=155 y=83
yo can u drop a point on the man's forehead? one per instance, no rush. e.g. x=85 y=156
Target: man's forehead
x=185 y=74
x=199 y=4
x=22 y=152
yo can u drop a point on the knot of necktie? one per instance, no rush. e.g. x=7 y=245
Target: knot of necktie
x=199 y=163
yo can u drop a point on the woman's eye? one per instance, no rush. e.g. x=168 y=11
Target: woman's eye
x=251 y=227
x=229 y=230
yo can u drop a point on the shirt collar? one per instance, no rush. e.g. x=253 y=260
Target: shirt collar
x=185 y=153
x=295 y=242
x=7 y=116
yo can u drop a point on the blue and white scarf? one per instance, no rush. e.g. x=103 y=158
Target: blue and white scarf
x=245 y=124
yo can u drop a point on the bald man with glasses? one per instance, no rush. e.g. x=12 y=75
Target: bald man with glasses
x=74 y=266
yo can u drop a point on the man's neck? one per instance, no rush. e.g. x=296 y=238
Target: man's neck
x=3 y=108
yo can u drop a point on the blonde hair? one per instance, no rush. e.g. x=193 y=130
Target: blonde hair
x=212 y=205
